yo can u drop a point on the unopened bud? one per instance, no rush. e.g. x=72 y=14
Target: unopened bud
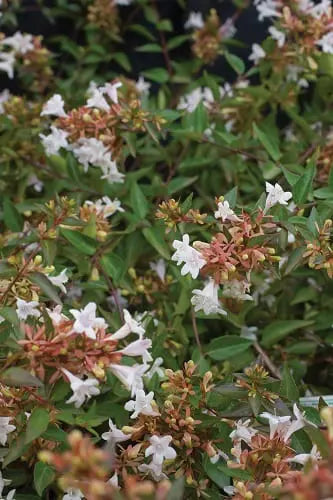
x=38 y=260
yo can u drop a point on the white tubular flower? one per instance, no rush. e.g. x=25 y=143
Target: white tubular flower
x=277 y=425
x=326 y=43
x=106 y=206
x=56 y=315
x=86 y=321
x=130 y=376
x=189 y=102
x=207 y=299
x=111 y=172
x=73 y=494
x=194 y=21
x=92 y=151
x=114 y=480
x=243 y=431
x=275 y=195
x=219 y=454
x=297 y=424
x=303 y=458
x=224 y=212
x=7 y=62
x=4 y=97
x=3 y=483
x=154 y=470
x=142 y=86
x=5 y=429
x=257 y=53
x=82 y=389
x=141 y=405
x=237 y=290
x=159 y=267
x=54 y=106
x=268 y=8
x=21 y=44
x=130 y=326
x=25 y=309
x=56 y=140
x=115 y=434
x=111 y=90
x=139 y=348
x=155 y=368
x=277 y=35
x=60 y=280
x=160 y=450
x=192 y=259
x=97 y=100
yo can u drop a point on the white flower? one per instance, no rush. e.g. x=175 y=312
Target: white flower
x=86 y=321
x=154 y=469
x=326 y=43
x=4 y=97
x=219 y=454
x=72 y=494
x=3 y=483
x=138 y=348
x=277 y=425
x=55 y=141
x=195 y=20
x=257 y=54
x=296 y=425
x=277 y=35
x=21 y=44
x=207 y=97
x=303 y=458
x=225 y=212
x=5 y=429
x=249 y=332
x=190 y=101
x=141 y=405
x=92 y=151
x=237 y=290
x=97 y=100
x=185 y=253
x=226 y=90
x=293 y=73
x=115 y=434
x=228 y=29
x=111 y=172
x=243 y=431
x=159 y=268
x=130 y=376
x=82 y=389
x=229 y=490
x=268 y=8
x=160 y=450
x=35 y=182
x=7 y=61
x=275 y=195
x=114 y=480
x=155 y=368
x=123 y=2
x=130 y=326
x=320 y=9
x=25 y=309
x=207 y=299
x=142 y=86
x=54 y=106
x=60 y=280
x=106 y=206
x=111 y=90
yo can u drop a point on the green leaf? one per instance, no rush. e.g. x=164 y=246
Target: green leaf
x=155 y=236
x=45 y=285
x=279 y=329
x=270 y=147
x=237 y=473
x=235 y=62
x=176 y=491
x=302 y=188
x=16 y=450
x=80 y=241
x=11 y=216
x=149 y=47
x=18 y=377
x=158 y=75
x=214 y=473
x=288 y=387
x=44 y=475
x=139 y=202
x=227 y=346
x=180 y=183
x=114 y=266
x=122 y=59
x=37 y=424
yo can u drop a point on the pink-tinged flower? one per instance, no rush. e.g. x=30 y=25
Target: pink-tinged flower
x=141 y=405
x=54 y=106
x=111 y=90
x=130 y=376
x=138 y=348
x=276 y=195
x=191 y=258
x=114 y=434
x=97 y=100
x=207 y=299
x=25 y=309
x=130 y=326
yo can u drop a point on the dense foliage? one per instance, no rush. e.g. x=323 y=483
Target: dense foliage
x=166 y=255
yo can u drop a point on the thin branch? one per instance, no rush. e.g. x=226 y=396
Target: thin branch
x=196 y=333
x=267 y=361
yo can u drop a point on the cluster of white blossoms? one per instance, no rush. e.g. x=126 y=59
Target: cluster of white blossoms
x=207 y=300
x=11 y=47
x=89 y=151
x=105 y=206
